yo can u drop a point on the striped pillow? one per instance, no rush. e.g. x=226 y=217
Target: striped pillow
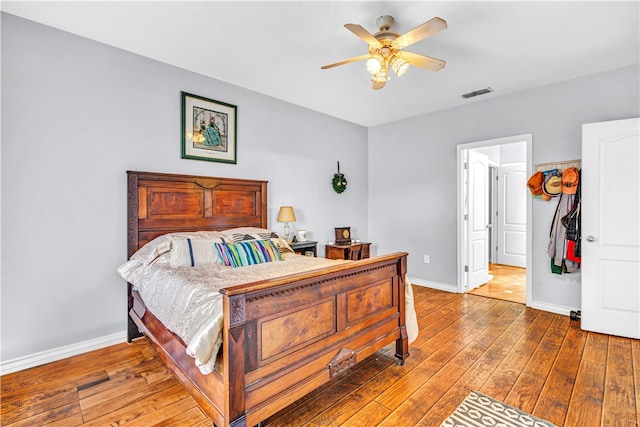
x=273 y=237
x=247 y=252
x=239 y=237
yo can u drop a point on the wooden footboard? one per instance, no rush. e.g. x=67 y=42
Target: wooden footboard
x=291 y=333
x=285 y=337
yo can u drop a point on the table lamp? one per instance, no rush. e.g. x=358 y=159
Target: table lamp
x=286 y=215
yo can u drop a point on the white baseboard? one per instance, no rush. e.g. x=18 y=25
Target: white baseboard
x=434 y=285
x=37 y=359
x=552 y=308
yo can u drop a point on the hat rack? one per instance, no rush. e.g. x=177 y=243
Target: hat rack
x=560 y=166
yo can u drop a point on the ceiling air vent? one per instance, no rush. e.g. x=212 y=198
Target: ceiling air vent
x=477 y=92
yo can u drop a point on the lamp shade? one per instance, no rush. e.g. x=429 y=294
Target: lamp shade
x=286 y=214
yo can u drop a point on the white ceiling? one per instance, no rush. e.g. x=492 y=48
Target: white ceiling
x=277 y=48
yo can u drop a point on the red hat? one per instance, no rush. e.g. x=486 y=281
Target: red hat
x=570 y=179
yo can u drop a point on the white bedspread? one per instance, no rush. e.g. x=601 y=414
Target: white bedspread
x=188 y=302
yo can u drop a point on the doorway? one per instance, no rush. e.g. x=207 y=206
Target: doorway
x=494 y=217
x=505 y=282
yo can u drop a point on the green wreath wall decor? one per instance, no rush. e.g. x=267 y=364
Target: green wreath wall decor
x=339 y=181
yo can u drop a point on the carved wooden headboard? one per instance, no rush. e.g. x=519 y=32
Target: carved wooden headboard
x=161 y=203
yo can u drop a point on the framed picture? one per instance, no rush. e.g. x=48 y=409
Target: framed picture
x=343 y=235
x=208 y=129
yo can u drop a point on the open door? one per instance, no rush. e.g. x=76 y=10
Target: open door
x=477 y=219
x=611 y=228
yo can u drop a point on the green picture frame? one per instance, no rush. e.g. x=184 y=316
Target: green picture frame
x=209 y=129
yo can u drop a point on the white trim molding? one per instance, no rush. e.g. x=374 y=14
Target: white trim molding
x=460 y=203
x=552 y=308
x=37 y=359
x=538 y=305
x=434 y=285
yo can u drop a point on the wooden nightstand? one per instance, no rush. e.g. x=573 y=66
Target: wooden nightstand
x=352 y=251
x=305 y=248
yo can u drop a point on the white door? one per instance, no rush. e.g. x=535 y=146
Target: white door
x=611 y=227
x=512 y=217
x=478 y=220
x=493 y=213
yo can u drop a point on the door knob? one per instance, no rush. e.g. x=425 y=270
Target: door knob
x=591 y=239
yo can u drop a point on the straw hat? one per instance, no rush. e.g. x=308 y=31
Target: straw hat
x=552 y=186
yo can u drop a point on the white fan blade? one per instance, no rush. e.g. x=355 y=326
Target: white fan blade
x=420 y=32
x=365 y=35
x=422 y=61
x=346 y=61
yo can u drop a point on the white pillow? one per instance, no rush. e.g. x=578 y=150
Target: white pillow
x=162 y=244
x=191 y=252
x=152 y=250
x=131 y=270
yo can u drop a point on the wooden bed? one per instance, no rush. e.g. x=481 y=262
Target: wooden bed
x=319 y=323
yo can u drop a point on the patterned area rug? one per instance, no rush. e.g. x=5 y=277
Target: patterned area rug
x=479 y=410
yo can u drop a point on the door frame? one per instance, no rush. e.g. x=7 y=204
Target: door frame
x=460 y=202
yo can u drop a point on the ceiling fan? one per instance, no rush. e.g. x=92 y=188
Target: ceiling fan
x=385 y=49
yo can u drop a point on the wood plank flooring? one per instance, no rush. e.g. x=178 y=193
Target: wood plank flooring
x=506 y=282
x=540 y=362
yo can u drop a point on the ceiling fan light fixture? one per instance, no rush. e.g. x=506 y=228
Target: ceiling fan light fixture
x=386 y=49
x=399 y=65
x=374 y=64
x=381 y=76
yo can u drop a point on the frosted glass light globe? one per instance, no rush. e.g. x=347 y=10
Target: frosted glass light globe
x=373 y=65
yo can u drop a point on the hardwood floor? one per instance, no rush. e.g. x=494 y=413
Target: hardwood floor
x=538 y=361
x=507 y=283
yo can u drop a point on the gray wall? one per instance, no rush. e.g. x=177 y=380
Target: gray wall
x=76 y=115
x=515 y=152
x=412 y=187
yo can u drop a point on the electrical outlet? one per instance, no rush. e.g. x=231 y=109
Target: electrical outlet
x=426 y=259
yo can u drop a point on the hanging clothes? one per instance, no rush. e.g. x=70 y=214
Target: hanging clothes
x=571 y=251
x=557 y=248
x=572 y=221
x=565 y=235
